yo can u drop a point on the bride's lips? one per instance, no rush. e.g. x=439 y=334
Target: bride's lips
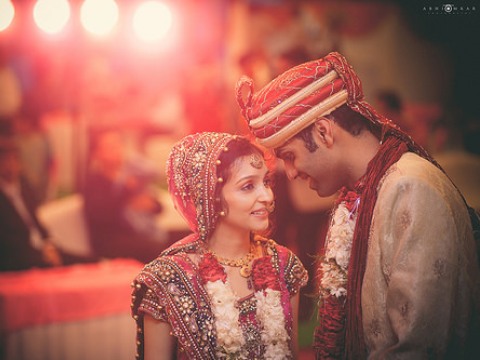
x=260 y=212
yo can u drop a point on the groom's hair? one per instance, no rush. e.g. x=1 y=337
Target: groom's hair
x=344 y=117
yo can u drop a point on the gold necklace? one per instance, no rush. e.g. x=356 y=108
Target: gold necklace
x=244 y=263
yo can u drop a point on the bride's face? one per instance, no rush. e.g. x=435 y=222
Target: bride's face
x=247 y=194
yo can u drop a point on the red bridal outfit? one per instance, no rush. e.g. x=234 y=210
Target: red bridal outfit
x=187 y=287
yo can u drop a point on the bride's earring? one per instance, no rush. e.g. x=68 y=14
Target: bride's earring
x=271 y=207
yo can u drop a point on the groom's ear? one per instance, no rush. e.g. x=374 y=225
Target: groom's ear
x=323 y=131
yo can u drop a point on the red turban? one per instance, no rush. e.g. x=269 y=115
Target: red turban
x=301 y=95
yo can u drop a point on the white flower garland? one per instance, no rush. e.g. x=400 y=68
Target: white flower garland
x=230 y=339
x=271 y=316
x=229 y=334
x=334 y=266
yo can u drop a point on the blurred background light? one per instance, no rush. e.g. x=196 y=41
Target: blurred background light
x=7 y=12
x=152 y=21
x=99 y=17
x=51 y=15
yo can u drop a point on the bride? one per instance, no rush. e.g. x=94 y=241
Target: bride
x=223 y=292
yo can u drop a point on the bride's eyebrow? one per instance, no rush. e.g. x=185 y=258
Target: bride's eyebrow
x=248 y=177
x=253 y=176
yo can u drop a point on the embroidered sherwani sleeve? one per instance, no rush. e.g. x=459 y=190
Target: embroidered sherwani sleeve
x=413 y=292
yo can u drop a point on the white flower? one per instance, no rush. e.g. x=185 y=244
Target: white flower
x=230 y=338
x=277 y=352
x=342 y=257
x=270 y=314
x=337 y=254
x=229 y=334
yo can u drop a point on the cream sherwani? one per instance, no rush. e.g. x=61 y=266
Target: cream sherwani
x=418 y=294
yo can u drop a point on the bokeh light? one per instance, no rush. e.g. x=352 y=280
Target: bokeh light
x=7 y=12
x=51 y=15
x=99 y=17
x=152 y=21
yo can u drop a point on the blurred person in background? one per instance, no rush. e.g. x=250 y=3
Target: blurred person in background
x=35 y=150
x=398 y=275
x=390 y=104
x=24 y=241
x=423 y=122
x=255 y=64
x=10 y=87
x=120 y=207
x=460 y=158
x=287 y=59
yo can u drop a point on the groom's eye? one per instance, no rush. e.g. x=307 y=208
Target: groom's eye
x=288 y=157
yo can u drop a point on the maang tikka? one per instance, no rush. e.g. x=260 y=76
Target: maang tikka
x=256 y=161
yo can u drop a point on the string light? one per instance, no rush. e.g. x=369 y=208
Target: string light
x=99 y=17
x=7 y=13
x=152 y=21
x=51 y=15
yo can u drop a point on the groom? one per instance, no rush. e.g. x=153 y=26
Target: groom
x=398 y=276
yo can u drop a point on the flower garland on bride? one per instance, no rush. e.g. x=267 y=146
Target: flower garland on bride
x=231 y=343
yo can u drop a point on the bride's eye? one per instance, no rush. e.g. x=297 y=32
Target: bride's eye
x=248 y=186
